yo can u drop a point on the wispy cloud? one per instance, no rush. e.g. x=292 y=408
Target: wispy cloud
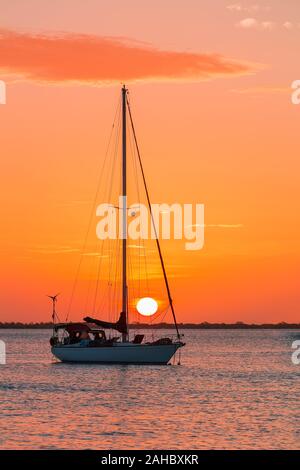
x=95 y=254
x=288 y=25
x=65 y=57
x=253 y=23
x=141 y=247
x=54 y=250
x=74 y=203
x=248 y=23
x=262 y=90
x=238 y=7
x=217 y=225
x=259 y=24
x=267 y=25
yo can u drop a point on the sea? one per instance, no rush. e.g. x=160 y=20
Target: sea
x=233 y=389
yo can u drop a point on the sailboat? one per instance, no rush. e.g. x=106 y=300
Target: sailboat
x=87 y=342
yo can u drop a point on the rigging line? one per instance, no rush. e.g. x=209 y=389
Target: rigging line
x=98 y=276
x=114 y=274
x=87 y=299
x=131 y=276
x=109 y=196
x=100 y=308
x=113 y=247
x=91 y=271
x=114 y=293
x=132 y=214
x=112 y=280
x=142 y=241
x=119 y=268
x=57 y=317
x=161 y=314
x=111 y=242
x=130 y=279
x=152 y=219
x=114 y=159
x=91 y=214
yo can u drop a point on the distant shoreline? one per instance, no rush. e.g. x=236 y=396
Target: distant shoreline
x=183 y=326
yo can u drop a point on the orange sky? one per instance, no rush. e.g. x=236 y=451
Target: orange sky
x=211 y=100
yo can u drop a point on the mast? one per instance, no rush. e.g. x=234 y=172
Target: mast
x=124 y=214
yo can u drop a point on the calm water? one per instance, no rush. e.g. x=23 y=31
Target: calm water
x=234 y=390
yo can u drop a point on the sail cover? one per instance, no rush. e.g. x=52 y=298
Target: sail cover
x=120 y=325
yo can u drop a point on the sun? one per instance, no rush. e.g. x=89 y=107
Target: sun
x=147 y=306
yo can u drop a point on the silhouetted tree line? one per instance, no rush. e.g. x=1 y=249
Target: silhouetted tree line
x=196 y=326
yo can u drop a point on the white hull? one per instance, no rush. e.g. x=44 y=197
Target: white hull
x=121 y=353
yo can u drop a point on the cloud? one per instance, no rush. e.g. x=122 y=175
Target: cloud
x=217 y=225
x=262 y=90
x=74 y=203
x=95 y=254
x=55 y=250
x=65 y=57
x=139 y=247
x=253 y=23
x=268 y=25
x=237 y=7
x=248 y=23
